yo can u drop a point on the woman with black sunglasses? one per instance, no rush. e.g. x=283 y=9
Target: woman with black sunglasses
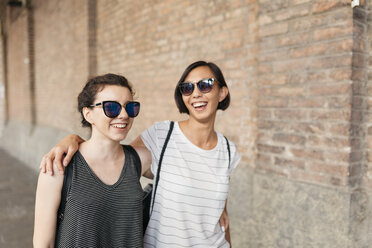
x=103 y=204
x=190 y=204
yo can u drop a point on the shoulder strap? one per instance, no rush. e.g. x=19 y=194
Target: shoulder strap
x=228 y=149
x=161 y=160
x=65 y=190
x=136 y=158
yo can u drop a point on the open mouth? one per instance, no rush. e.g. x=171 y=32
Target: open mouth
x=120 y=126
x=200 y=105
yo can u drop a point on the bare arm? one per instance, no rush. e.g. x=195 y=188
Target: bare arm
x=68 y=145
x=224 y=223
x=145 y=156
x=48 y=198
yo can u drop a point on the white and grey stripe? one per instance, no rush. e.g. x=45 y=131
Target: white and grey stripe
x=100 y=215
x=192 y=190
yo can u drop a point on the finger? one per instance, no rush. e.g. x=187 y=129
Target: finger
x=58 y=160
x=222 y=222
x=42 y=165
x=71 y=151
x=49 y=166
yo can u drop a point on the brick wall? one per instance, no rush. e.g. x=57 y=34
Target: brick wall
x=61 y=61
x=156 y=41
x=298 y=72
x=304 y=83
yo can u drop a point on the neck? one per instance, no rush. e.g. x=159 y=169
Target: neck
x=100 y=147
x=201 y=134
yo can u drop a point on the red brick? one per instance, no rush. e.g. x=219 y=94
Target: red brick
x=307 y=153
x=264 y=114
x=265 y=19
x=331 y=62
x=339 y=102
x=270 y=149
x=292 y=13
x=283 y=162
x=303 y=102
x=326 y=5
x=329 y=143
x=270 y=169
x=343 y=115
x=293 y=39
x=292 y=65
x=330 y=89
x=340 y=74
x=337 y=157
x=288 y=114
x=310 y=50
x=307 y=128
x=289 y=138
x=274 y=29
x=271 y=125
x=272 y=79
x=283 y=91
x=295 y=2
x=332 y=32
x=272 y=102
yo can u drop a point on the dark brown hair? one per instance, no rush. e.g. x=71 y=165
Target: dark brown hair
x=95 y=85
x=224 y=104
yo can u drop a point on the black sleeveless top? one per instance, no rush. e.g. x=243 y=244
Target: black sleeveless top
x=101 y=215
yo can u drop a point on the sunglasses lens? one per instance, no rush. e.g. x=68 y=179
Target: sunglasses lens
x=111 y=109
x=132 y=109
x=205 y=85
x=186 y=88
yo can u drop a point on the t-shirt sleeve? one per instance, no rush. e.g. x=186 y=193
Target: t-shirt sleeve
x=151 y=140
x=235 y=157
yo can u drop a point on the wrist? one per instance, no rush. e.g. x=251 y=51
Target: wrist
x=76 y=138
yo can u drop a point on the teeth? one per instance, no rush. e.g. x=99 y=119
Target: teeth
x=199 y=104
x=120 y=125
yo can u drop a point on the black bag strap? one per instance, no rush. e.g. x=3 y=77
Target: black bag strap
x=161 y=160
x=65 y=190
x=228 y=149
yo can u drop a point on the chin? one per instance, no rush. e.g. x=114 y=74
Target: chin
x=118 y=137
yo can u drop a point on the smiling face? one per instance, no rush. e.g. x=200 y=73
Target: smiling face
x=117 y=128
x=203 y=106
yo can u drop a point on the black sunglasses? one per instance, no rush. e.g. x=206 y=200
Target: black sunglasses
x=204 y=86
x=113 y=109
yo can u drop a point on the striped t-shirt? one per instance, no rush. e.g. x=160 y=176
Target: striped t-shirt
x=192 y=190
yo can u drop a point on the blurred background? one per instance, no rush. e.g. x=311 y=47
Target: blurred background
x=298 y=73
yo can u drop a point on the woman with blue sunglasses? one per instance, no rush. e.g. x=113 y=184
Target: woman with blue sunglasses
x=190 y=205
x=104 y=192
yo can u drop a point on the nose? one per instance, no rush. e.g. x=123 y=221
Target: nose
x=123 y=113
x=196 y=92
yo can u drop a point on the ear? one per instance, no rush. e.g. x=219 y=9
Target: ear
x=88 y=115
x=223 y=93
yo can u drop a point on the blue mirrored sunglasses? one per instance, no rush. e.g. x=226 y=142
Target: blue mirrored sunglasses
x=113 y=109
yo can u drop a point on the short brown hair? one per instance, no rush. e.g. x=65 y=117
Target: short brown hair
x=95 y=85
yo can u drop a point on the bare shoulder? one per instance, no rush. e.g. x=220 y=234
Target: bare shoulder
x=143 y=152
x=51 y=181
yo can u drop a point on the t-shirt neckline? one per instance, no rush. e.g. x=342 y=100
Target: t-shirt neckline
x=183 y=136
